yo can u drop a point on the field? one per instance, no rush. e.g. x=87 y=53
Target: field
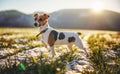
x=21 y=52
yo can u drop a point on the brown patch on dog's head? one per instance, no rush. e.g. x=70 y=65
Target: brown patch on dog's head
x=40 y=20
x=36 y=16
x=46 y=16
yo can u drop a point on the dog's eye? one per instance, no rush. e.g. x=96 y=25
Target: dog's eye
x=35 y=19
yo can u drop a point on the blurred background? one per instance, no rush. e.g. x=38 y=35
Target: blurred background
x=21 y=52
x=65 y=14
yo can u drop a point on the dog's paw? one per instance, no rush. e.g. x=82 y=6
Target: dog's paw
x=87 y=55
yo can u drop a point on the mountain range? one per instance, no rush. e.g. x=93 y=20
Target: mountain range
x=65 y=19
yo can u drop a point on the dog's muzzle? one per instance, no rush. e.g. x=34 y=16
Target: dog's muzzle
x=36 y=24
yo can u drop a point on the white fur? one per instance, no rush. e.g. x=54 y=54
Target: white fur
x=78 y=41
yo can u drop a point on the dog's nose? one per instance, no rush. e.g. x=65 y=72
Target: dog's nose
x=35 y=24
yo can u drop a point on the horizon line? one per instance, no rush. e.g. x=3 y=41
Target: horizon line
x=56 y=10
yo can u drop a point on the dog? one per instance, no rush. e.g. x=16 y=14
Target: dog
x=51 y=37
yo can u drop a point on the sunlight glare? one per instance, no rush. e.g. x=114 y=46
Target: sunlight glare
x=97 y=7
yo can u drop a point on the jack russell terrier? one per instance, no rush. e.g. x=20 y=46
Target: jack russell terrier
x=51 y=37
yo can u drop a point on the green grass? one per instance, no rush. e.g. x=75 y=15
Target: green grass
x=99 y=43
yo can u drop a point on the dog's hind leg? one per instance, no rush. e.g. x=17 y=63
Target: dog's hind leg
x=79 y=43
x=70 y=46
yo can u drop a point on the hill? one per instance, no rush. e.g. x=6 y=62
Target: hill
x=13 y=18
x=85 y=19
x=66 y=19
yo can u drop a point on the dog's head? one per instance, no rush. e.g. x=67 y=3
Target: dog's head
x=40 y=20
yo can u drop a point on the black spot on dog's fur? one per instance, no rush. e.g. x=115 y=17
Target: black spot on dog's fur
x=61 y=36
x=71 y=39
x=55 y=34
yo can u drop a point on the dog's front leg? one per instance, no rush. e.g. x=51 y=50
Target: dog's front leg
x=44 y=44
x=52 y=51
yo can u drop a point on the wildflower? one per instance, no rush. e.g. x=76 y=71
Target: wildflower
x=34 y=60
x=58 y=69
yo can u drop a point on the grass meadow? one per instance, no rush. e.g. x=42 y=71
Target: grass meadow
x=103 y=46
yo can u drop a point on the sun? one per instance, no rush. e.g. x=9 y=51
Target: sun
x=97 y=7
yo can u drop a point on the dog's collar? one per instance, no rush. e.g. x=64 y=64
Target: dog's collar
x=43 y=31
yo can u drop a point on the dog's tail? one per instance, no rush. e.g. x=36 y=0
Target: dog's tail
x=79 y=33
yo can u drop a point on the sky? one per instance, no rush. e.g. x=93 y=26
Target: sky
x=30 y=6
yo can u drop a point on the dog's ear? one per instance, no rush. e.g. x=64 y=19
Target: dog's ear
x=36 y=15
x=46 y=16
